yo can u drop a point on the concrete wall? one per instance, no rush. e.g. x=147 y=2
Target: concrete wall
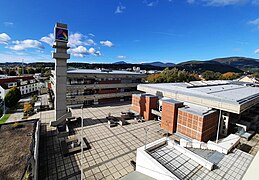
x=149 y=166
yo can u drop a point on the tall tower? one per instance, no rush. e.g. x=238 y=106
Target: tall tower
x=60 y=55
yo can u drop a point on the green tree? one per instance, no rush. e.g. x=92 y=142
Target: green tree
x=211 y=75
x=30 y=71
x=172 y=75
x=12 y=97
x=256 y=74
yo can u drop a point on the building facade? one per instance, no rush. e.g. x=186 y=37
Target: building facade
x=26 y=84
x=194 y=109
x=96 y=86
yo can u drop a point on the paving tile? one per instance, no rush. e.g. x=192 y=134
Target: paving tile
x=106 y=144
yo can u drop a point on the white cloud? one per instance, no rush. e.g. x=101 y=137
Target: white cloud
x=257 y=51
x=26 y=44
x=254 y=22
x=107 y=43
x=8 y=24
x=121 y=57
x=48 y=39
x=76 y=39
x=4 y=38
x=120 y=9
x=89 y=42
x=91 y=34
x=81 y=51
x=98 y=53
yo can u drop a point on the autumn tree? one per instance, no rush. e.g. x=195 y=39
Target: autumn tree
x=229 y=76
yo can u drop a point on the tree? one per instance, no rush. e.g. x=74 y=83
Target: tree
x=211 y=75
x=12 y=73
x=12 y=97
x=172 y=75
x=229 y=76
x=28 y=108
x=256 y=74
x=30 y=71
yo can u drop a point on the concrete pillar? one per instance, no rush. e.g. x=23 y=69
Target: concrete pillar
x=96 y=102
x=60 y=55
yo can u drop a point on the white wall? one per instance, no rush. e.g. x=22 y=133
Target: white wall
x=149 y=166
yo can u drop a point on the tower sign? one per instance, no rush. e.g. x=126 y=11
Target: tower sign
x=61 y=34
x=60 y=55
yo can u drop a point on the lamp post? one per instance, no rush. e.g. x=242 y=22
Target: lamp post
x=146 y=130
x=4 y=106
x=82 y=124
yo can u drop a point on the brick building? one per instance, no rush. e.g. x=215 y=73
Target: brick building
x=96 y=86
x=197 y=122
x=194 y=109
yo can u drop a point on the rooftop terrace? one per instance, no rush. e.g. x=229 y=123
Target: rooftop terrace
x=16 y=142
x=111 y=151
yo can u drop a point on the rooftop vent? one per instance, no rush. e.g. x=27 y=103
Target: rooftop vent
x=106 y=70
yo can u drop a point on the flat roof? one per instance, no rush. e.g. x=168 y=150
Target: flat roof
x=196 y=109
x=231 y=166
x=99 y=71
x=15 y=149
x=226 y=95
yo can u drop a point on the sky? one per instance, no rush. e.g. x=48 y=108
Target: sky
x=134 y=31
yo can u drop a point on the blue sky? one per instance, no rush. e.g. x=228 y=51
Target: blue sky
x=134 y=31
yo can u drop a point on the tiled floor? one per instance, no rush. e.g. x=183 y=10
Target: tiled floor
x=111 y=151
x=230 y=167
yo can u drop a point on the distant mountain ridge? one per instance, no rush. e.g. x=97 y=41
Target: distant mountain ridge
x=222 y=65
x=242 y=63
x=121 y=62
x=201 y=66
x=160 y=64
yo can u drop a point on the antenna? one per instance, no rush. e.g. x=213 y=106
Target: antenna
x=22 y=67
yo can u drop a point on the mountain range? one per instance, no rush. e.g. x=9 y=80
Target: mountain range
x=222 y=65
x=157 y=64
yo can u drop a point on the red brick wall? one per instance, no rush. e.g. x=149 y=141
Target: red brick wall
x=136 y=101
x=150 y=103
x=144 y=104
x=201 y=128
x=169 y=116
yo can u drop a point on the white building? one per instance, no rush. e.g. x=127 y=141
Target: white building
x=26 y=84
